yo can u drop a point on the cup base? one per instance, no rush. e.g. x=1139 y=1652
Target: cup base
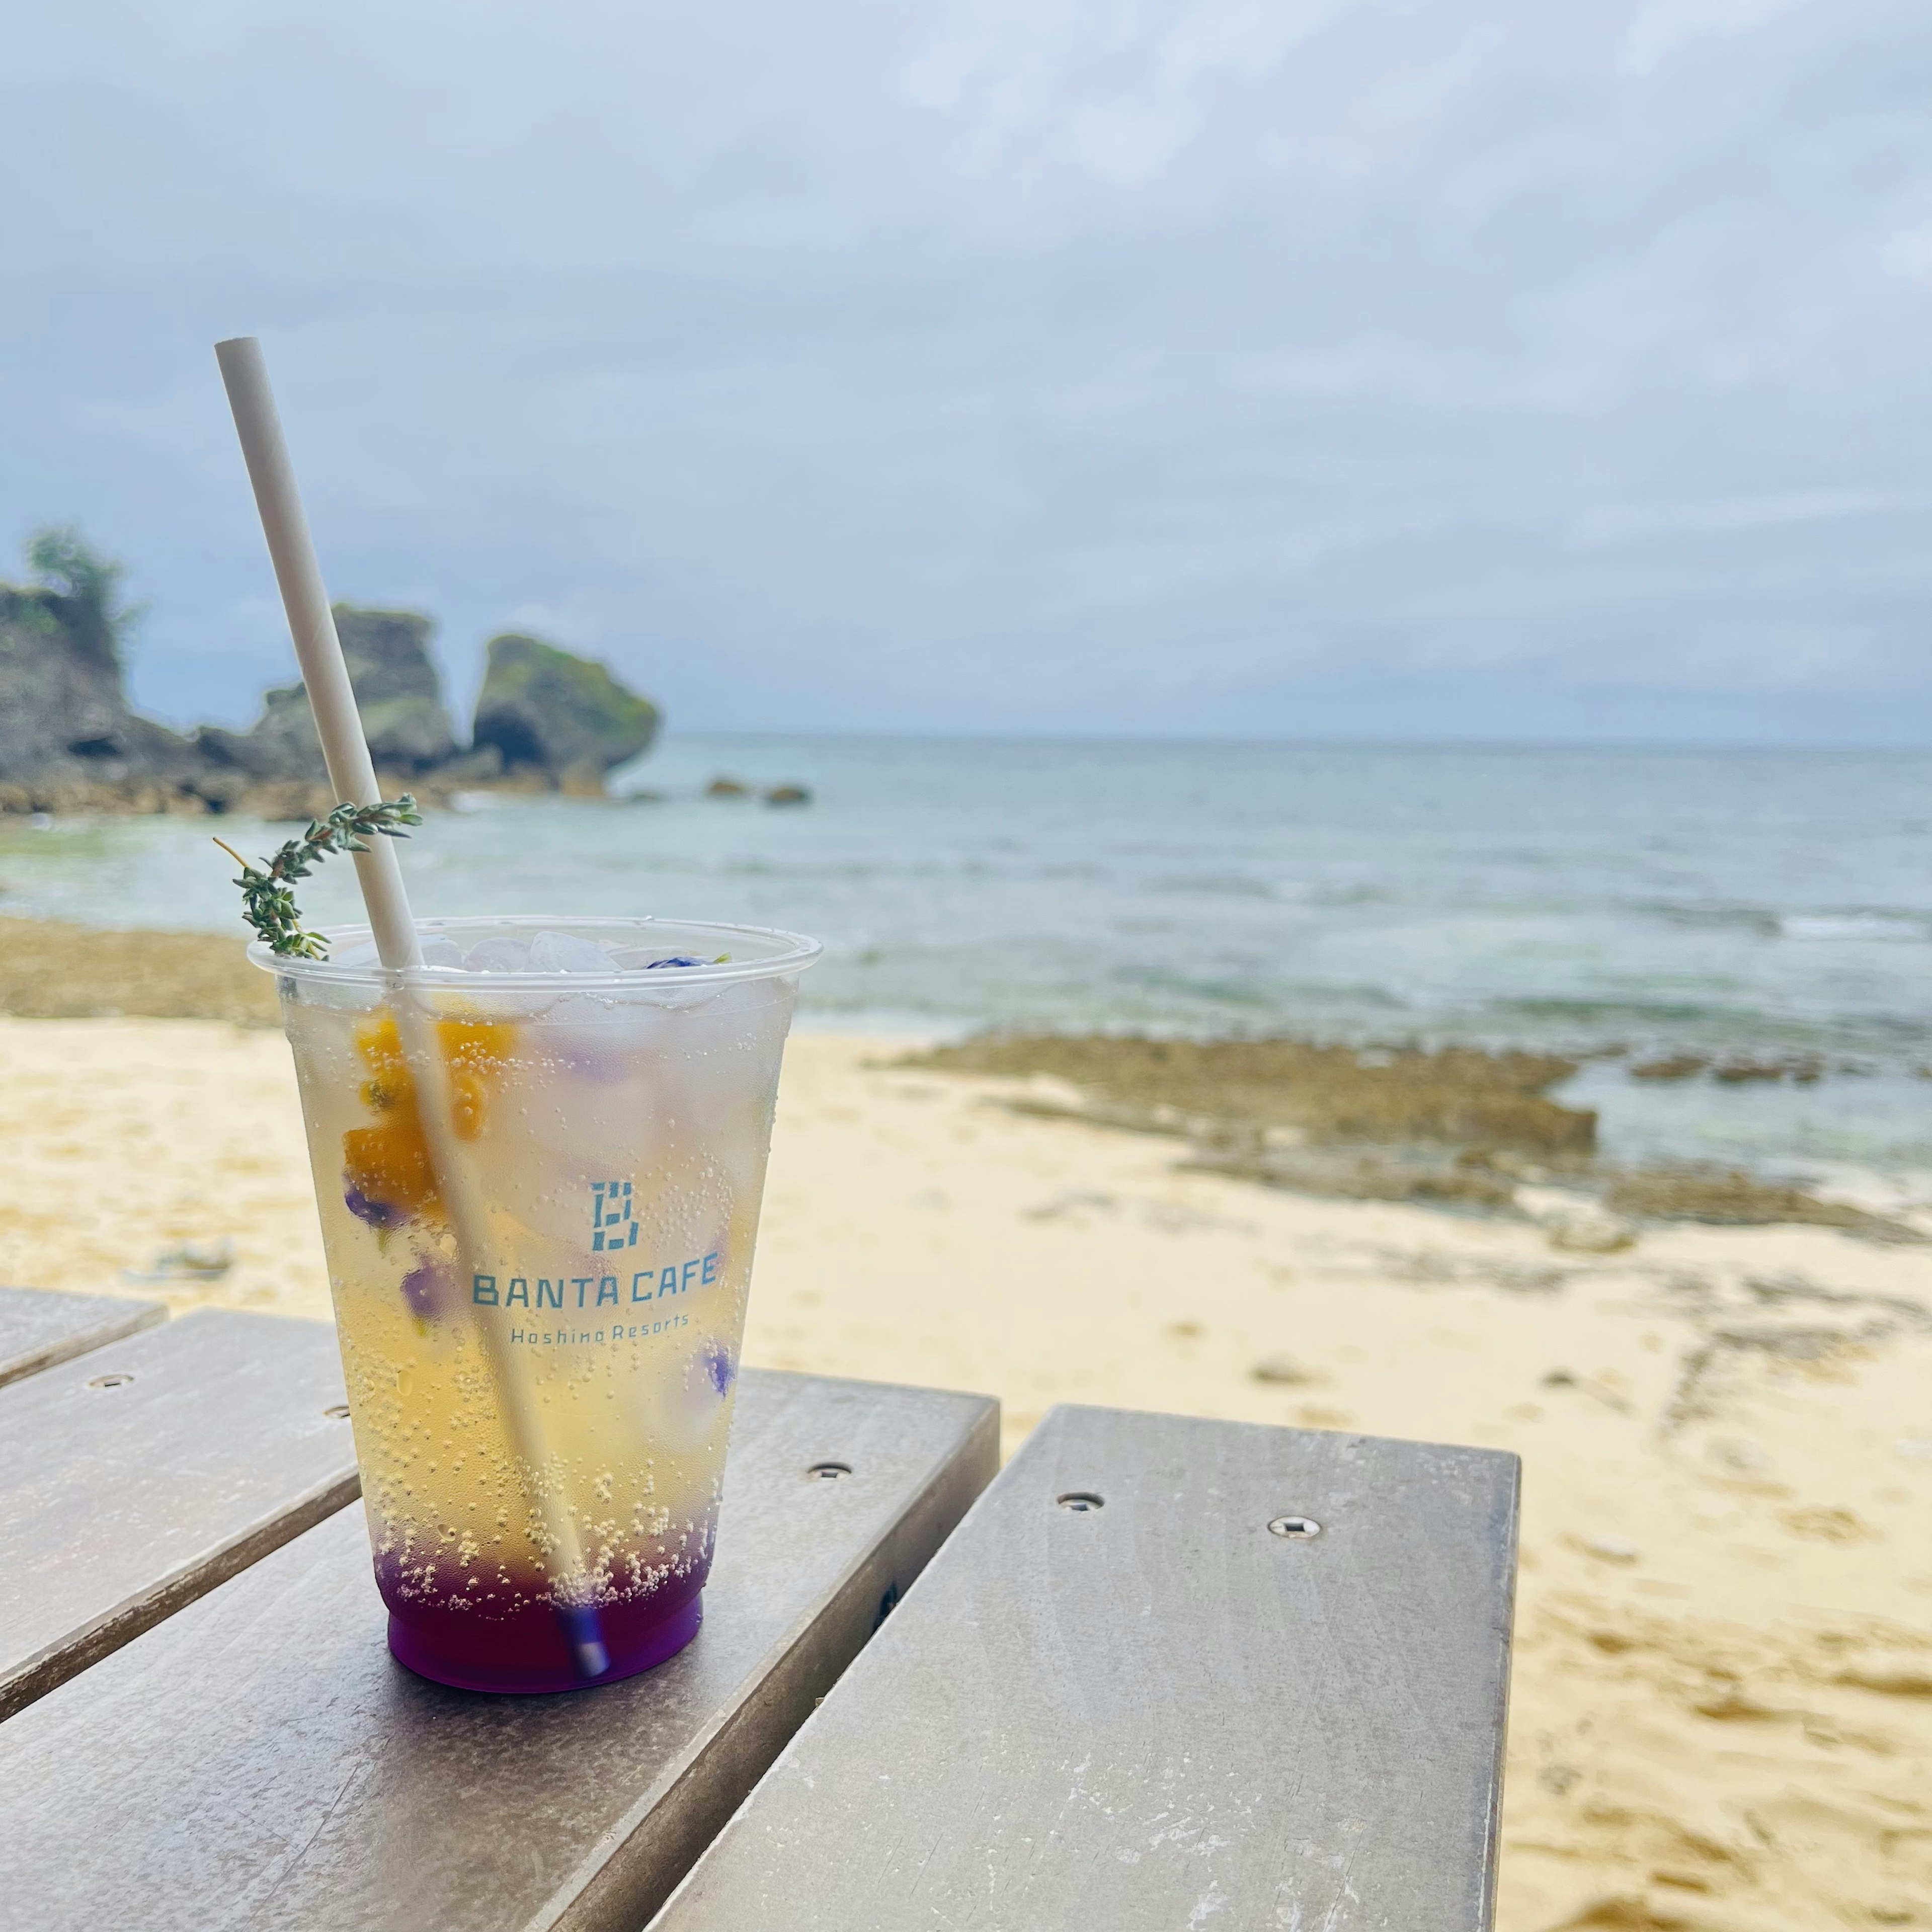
x=631 y=1653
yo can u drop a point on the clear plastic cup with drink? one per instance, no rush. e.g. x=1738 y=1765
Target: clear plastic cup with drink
x=540 y=1385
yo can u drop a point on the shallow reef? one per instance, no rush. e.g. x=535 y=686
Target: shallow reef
x=1452 y=1127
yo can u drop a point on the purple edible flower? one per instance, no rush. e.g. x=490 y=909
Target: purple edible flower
x=676 y=959
x=717 y=1361
x=377 y=1214
x=421 y=1286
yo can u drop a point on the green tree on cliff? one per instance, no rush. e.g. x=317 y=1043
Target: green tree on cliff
x=83 y=591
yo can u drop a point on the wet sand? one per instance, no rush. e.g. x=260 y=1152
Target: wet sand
x=1722 y=1701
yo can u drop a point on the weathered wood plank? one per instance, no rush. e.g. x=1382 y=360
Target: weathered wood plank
x=1155 y=1713
x=260 y=1760
x=142 y=1473
x=40 y=1327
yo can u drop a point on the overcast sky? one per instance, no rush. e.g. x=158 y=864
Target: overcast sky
x=1468 y=368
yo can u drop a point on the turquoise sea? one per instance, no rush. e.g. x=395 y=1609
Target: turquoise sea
x=1767 y=906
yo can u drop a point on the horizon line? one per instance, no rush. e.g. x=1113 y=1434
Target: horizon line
x=1065 y=739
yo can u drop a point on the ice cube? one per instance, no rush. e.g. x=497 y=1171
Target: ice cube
x=499 y=955
x=441 y=950
x=565 y=952
x=597 y=1040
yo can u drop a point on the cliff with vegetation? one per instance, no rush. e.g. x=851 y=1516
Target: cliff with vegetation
x=69 y=739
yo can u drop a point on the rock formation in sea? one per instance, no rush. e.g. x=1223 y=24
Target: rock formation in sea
x=542 y=710
x=398 y=690
x=70 y=741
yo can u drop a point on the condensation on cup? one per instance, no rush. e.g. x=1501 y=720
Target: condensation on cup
x=610 y=1084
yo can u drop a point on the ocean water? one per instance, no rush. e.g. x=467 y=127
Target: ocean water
x=1741 y=905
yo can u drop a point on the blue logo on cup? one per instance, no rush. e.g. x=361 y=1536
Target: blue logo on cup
x=612 y=1223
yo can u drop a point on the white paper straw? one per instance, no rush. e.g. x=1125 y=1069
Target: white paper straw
x=318 y=649
x=345 y=748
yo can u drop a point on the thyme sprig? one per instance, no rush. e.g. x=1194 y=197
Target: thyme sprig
x=267 y=902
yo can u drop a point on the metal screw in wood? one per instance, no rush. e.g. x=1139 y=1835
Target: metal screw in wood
x=1297 y=1529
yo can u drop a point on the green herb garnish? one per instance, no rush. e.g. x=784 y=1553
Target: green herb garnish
x=267 y=902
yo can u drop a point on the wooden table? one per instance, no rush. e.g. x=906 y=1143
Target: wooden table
x=1163 y=1673
x=38 y=1329
x=142 y=1474
x=1168 y=1673
x=253 y=1756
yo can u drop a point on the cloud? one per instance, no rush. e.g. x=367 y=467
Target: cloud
x=1244 y=365
x=1620 y=522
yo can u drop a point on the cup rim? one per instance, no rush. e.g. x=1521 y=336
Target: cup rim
x=795 y=951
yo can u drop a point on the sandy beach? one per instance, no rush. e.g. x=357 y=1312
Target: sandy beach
x=1723 y=1704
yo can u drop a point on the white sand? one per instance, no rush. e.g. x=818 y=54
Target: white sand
x=1723 y=1705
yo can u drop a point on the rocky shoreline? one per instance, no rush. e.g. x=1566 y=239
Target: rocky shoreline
x=71 y=743
x=1455 y=1128
x=50 y=970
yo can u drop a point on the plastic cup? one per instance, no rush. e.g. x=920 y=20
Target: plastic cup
x=613 y=1116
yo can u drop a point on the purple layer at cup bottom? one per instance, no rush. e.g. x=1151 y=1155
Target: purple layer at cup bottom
x=529 y=1652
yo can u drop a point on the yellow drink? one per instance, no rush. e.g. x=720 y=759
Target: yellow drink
x=613 y=1117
